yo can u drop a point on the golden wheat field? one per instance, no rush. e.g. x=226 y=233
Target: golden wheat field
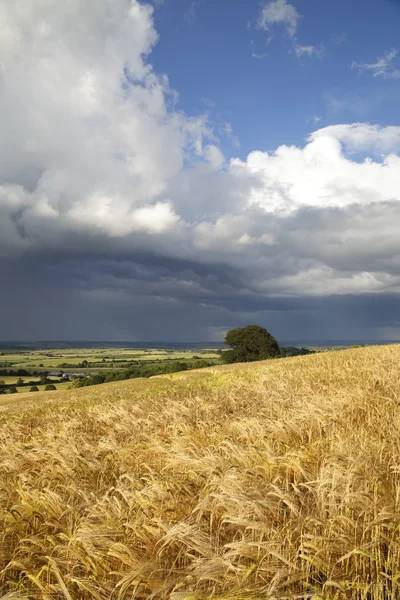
x=275 y=480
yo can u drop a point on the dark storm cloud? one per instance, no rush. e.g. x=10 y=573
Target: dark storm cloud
x=94 y=285
x=48 y=304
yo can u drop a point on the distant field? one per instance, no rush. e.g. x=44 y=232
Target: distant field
x=268 y=481
x=59 y=386
x=99 y=360
x=10 y=379
x=111 y=356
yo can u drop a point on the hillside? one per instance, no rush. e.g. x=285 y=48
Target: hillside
x=278 y=480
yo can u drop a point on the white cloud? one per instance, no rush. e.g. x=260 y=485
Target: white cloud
x=207 y=102
x=113 y=215
x=279 y=12
x=321 y=175
x=315 y=119
x=91 y=132
x=94 y=161
x=363 y=137
x=157 y=218
x=383 y=67
x=191 y=13
x=214 y=156
x=228 y=132
x=309 y=51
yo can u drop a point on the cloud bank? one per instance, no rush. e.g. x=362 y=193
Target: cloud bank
x=121 y=218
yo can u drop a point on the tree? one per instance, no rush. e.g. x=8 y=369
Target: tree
x=34 y=388
x=288 y=351
x=249 y=344
x=20 y=381
x=49 y=387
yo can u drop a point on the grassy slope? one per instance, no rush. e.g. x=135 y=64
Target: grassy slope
x=274 y=480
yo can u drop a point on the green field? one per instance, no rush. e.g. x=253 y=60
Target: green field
x=88 y=361
x=11 y=379
x=58 y=386
x=106 y=357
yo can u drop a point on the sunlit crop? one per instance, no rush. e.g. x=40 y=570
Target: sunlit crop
x=273 y=480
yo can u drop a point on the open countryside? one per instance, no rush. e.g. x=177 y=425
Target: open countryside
x=57 y=368
x=100 y=358
x=21 y=370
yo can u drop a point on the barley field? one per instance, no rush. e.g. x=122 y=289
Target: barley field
x=274 y=480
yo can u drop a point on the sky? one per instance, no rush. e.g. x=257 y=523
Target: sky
x=172 y=169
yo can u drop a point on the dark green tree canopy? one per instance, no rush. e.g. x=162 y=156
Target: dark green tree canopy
x=249 y=344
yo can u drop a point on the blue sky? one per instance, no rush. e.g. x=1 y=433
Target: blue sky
x=207 y=49
x=172 y=169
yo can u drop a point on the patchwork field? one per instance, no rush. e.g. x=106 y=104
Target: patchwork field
x=41 y=388
x=11 y=379
x=88 y=362
x=274 y=480
x=99 y=358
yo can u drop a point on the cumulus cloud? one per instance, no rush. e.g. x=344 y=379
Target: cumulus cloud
x=321 y=174
x=214 y=156
x=91 y=138
x=117 y=208
x=363 y=137
x=383 y=67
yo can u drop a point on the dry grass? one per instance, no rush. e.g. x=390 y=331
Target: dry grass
x=276 y=480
